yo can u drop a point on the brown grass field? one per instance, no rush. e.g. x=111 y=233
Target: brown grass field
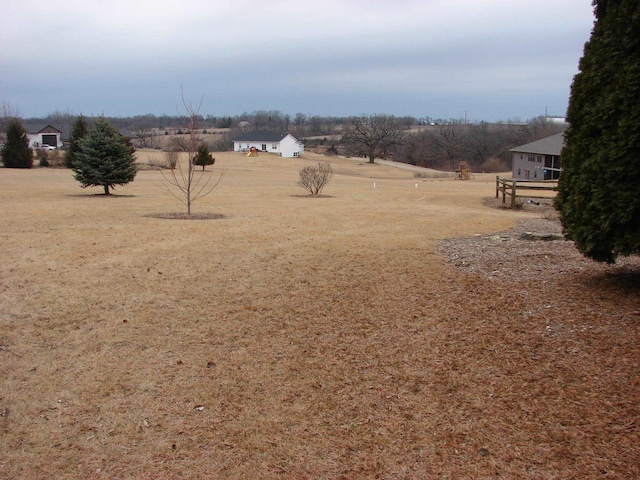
x=303 y=338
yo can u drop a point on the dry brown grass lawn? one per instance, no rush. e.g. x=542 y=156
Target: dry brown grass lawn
x=298 y=337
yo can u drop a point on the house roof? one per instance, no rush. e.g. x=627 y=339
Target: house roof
x=37 y=128
x=546 y=146
x=261 y=137
x=40 y=128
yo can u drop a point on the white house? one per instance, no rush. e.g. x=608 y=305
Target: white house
x=283 y=144
x=539 y=160
x=47 y=135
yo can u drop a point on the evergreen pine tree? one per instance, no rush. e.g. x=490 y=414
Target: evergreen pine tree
x=16 y=152
x=599 y=188
x=203 y=157
x=105 y=158
x=78 y=132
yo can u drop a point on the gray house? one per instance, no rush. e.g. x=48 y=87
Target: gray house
x=539 y=160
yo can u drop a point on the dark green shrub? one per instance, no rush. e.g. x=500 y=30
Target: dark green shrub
x=598 y=196
x=16 y=152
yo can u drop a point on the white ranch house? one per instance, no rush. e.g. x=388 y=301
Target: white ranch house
x=44 y=135
x=283 y=144
x=539 y=160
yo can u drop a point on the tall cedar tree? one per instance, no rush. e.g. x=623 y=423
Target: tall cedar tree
x=203 y=157
x=78 y=132
x=105 y=158
x=599 y=188
x=16 y=152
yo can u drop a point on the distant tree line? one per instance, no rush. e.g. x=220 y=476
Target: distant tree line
x=485 y=146
x=427 y=142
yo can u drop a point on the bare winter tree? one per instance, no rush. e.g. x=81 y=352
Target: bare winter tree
x=146 y=139
x=448 y=140
x=63 y=120
x=7 y=113
x=190 y=185
x=373 y=135
x=314 y=178
x=541 y=127
x=179 y=143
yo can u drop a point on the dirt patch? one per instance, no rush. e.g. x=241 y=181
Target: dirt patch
x=185 y=216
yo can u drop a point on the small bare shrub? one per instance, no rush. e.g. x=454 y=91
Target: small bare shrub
x=179 y=144
x=434 y=174
x=171 y=158
x=56 y=158
x=315 y=177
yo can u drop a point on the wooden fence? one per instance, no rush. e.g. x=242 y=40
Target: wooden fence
x=518 y=188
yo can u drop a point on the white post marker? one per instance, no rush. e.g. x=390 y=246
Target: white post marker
x=416 y=185
x=374 y=184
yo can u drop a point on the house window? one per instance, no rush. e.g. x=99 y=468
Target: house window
x=519 y=172
x=539 y=158
x=295 y=154
x=264 y=147
x=274 y=146
x=532 y=157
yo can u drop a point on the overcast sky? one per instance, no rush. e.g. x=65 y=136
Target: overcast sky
x=486 y=59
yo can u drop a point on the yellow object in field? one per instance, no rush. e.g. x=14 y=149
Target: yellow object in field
x=463 y=172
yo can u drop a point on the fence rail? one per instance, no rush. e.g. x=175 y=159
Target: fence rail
x=513 y=187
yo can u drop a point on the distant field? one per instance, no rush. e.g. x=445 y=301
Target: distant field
x=296 y=337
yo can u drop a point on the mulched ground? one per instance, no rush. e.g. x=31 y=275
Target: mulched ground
x=509 y=256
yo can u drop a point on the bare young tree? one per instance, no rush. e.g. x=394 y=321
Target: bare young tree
x=7 y=113
x=190 y=185
x=373 y=135
x=314 y=178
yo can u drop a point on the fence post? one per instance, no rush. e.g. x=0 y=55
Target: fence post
x=513 y=194
x=497 y=185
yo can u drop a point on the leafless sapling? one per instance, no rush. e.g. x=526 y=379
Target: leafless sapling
x=190 y=185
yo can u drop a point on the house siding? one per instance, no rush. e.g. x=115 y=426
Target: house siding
x=538 y=160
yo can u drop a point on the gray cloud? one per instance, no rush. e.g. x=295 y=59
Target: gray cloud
x=430 y=57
